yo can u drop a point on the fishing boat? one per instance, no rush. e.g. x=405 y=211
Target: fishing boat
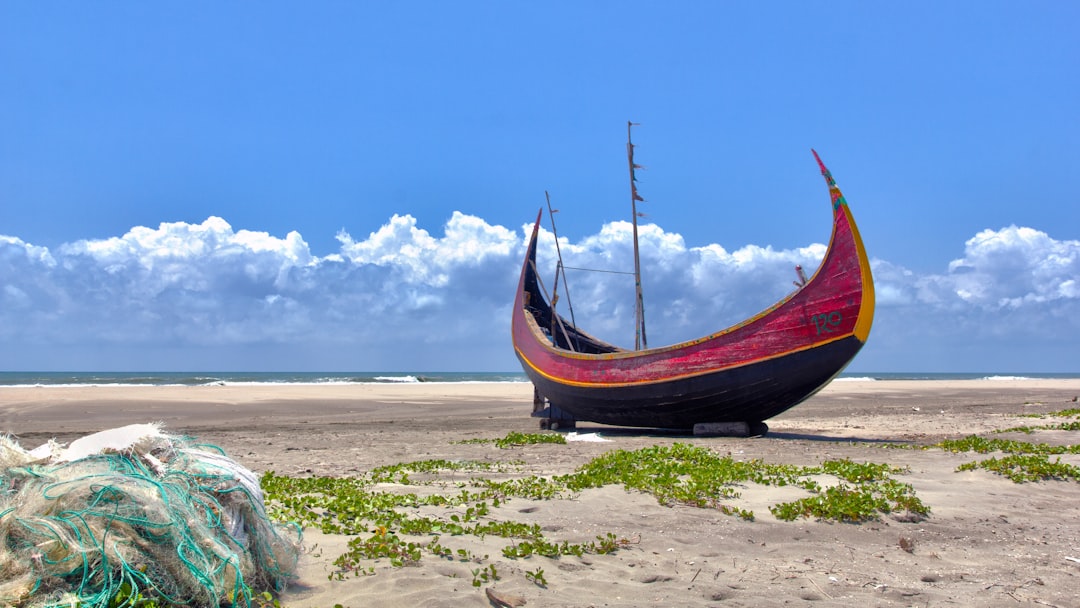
x=728 y=382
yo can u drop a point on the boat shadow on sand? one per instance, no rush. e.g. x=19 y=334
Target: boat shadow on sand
x=617 y=431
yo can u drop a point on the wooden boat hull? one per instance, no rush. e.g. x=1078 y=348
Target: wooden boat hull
x=751 y=393
x=747 y=373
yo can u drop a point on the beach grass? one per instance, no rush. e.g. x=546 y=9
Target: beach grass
x=387 y=523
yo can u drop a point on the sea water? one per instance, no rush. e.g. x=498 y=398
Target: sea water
x=245 y=378
x=259 y=378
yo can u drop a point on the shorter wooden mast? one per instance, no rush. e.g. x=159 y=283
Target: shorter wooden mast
x=640 y=341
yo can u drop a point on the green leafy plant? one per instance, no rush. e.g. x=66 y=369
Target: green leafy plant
x=517 y=438
x=536 y=577
x=1022 y=468
x=974 y=443
x=131 y=596
x=1023 y=461
x=487 y=574
x=1028 y=430
x=382 y=543
x=388 y=524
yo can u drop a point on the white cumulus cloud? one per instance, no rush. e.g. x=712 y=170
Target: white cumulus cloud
x=208 y=296
x=1010 y=302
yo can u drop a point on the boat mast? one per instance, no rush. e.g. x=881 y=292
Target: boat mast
x=640 y=341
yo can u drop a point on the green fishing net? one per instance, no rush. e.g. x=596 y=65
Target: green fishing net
x=134 y=509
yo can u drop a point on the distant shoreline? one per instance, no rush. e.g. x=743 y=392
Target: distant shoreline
x=118 y=379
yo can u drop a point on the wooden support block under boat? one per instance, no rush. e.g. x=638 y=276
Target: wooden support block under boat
x=551 y=417
x=555 y=424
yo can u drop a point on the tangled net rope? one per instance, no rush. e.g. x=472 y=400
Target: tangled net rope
x=135 y=511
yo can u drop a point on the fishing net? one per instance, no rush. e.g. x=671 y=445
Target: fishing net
x=135 y=510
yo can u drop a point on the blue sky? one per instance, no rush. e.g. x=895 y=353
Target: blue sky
x=343 y=186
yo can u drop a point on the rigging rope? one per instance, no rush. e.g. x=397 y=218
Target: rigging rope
x=597 y=270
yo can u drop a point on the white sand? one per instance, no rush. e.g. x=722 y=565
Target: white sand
x=987 y=542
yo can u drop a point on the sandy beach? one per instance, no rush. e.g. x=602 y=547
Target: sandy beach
x=987 y=541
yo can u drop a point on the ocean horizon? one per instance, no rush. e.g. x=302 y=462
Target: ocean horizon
x=75 y=379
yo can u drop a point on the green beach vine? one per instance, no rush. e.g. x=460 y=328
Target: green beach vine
x=401 y=525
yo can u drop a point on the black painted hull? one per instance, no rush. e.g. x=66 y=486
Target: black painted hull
x=749 y=393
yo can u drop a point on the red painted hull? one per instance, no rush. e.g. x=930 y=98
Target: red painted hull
x=746 y=373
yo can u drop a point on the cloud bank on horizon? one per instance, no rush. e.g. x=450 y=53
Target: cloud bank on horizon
x=207 y=296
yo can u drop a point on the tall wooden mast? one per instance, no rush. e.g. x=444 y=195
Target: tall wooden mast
x=640 y=340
